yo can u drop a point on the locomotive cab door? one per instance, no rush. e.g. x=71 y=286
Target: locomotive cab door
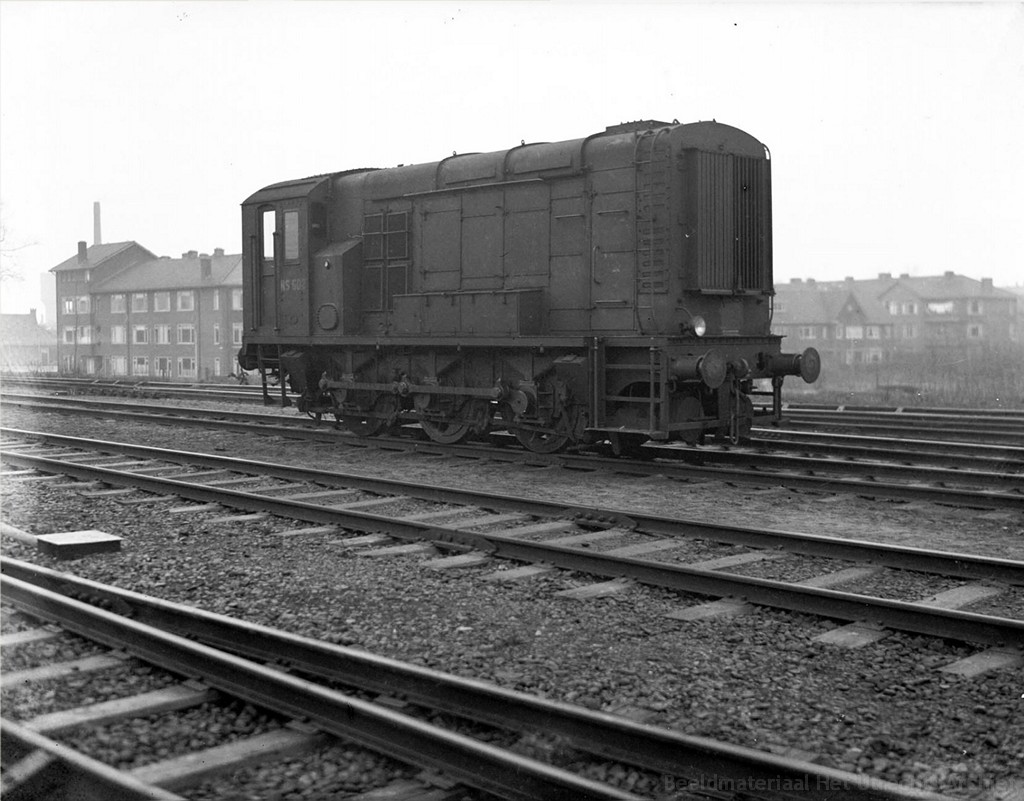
x=281 y=265
x=292 y=270
x=264 y=268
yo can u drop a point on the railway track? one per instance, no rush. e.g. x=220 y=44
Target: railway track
x=909 y=451
x=224 y=657
x=473 y=528
x=138 y=389
x=998 y=427
x=989 y=426
x=985 y=477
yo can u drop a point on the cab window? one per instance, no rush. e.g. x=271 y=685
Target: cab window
x=291 y=236
x=268 y=226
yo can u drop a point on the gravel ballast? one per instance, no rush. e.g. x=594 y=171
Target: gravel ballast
x=757 y=680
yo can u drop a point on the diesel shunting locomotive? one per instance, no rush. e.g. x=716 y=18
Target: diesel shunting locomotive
x=612 y=288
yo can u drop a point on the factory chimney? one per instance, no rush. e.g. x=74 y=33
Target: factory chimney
x=97 y=238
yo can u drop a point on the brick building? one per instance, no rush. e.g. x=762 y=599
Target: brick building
x=845 y=322
x=25 y=345
x=878 y=320
x=121 y=311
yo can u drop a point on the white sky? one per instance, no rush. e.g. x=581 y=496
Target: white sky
x=896 y=130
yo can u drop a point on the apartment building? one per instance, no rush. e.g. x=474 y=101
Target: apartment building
x=121 y=311
x=875 y=320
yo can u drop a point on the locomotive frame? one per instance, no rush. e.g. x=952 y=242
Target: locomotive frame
x=617 y=287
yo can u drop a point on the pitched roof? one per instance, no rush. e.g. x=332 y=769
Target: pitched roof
x=805 y=303
x=24 y=329
x=97 y=254
x=949 y=286
x=820 y=302
x=166 y=273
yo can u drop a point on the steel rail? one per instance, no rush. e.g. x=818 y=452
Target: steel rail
x=769 y=436
x=916 y=618
x=810 y=476
x=893 y=454
x=64 y=774
x=874 y=469
x=925 y=410
x=902 y=557
x=1004 y=460
x=407 y=739
x=997 y=435
x=649 y=747
x=239 y=393
x=969 y=417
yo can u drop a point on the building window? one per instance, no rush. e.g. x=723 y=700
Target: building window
x=910 y=308
x=186 y=301
x=839 y=331
x=69 y=335
x=216 y=367
x=855 y=332
x=140 y=335
x=236 y=299
x=216 y=334
x=117 y=306
x=162 y=334
x=945 y=307
x=807 y=332
x=186 y=334
x=872 y=332
x=117 y=335
x=974 y=331
x=83 y=304
x=975 y=307
x=118 y=365
x=186 y=367
x=140 y=366
x=139 y=302
x=68 y=305
x=216 y=300
x=236 y=333
x=85 y=335
x=163 y=367
x=910 y=331
x=161 y=301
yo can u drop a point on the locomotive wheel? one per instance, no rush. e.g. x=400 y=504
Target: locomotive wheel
x=369 y=425
x=445 y=420
x=446 y=432
x=542 y=441
x=475 y=419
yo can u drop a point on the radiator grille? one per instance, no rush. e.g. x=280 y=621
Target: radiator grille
x=731 y=205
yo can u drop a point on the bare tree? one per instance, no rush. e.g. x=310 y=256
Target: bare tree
x=9 y=268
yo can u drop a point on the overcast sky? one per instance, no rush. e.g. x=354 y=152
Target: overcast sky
x=895 y=130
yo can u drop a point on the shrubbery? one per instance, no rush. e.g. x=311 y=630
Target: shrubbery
x=993 y=378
